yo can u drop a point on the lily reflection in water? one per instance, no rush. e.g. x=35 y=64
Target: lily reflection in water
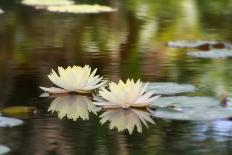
x=73 y=106
x=129 y=118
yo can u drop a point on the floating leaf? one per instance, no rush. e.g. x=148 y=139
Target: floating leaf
x=82 y=8
x=17 y=110
x=9 y=122
x=186 y=102
x=212 y=54
x=199 y=114
x=46 y=3
x=198 y=44
x=190 y=108
x=189 y=44
x=4 y=149
x=169 y=88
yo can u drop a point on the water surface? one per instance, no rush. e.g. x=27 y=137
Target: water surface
x=127 y=43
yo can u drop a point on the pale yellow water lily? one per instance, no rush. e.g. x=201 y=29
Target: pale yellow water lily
x=74 y=79
x=73 y=106
x=125 y=95
x=80 y=8
x=123 y=119
x=46 y=3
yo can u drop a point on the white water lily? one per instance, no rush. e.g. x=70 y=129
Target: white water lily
x=81 y=8
x=74 y=79
x=126 y=95
x=127 y=119
x=73 y=106
x=46 y=3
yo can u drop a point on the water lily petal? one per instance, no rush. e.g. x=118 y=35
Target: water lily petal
x=54 y=90
x=125 y=95
x=73 y=107
x=126 y=119
x=74 y=79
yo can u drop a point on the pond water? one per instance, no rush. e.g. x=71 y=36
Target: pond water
x=129 y=43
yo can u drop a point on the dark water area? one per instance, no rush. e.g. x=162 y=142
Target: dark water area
x=129 y=43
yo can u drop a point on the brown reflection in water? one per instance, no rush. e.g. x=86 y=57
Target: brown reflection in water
x=50 y=139
x=122 y=144
x=152 y=63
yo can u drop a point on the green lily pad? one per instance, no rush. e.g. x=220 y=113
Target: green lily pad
x=190 y=108
x=190 y=44
x=9 y=122
x=17 y=110
x=199 y=44
x=170 y=88
x=4 y=149
x=186 y=102
x=81 y=8
x=202 y=114
x=212 y=54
